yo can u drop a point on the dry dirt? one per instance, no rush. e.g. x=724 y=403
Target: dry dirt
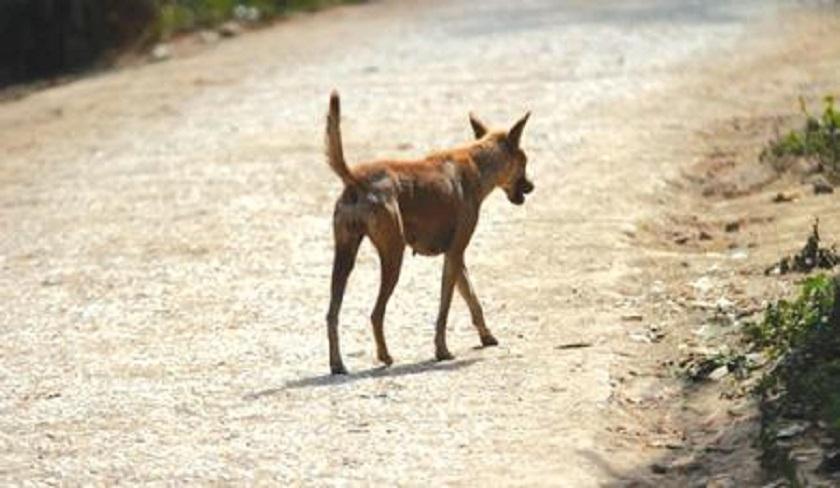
x=166 y=247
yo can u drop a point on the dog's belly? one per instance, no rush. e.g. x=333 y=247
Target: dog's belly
x=428 y=235
x=429 y=245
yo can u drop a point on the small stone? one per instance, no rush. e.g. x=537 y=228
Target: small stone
x=655 y=333
x=685 y=464
x=240 y=12
x=254 y=15
x=161 y=52
x=244 y=13
x=785 y=197
x=721 y=481
x=779 y=483
x=702 y=284
x=641 y=338
x=830 y=462
x=629 y=230
x=573 y=345
x=719 y=373
x=791 y=430
x=724 y=304
x=820 y=185
x=802 y=455
x=209 y=37
x=739 y=254
x=51 y=281
x=733 y=226
x=230 y=29
x=756 y=359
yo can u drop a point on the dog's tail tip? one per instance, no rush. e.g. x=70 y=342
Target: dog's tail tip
x=335 y=152
x=335 y=103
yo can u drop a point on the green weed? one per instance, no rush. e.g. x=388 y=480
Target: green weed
x=819 y=138
x=791 y=324
x=803 y=335
x=185 y=15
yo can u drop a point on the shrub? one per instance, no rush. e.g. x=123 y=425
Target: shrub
x=819 y=138
x=185 y=15
x=804 y=336
x=791 y=324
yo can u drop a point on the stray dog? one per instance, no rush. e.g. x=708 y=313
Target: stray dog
x=430 y=204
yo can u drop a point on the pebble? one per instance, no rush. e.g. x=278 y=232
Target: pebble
x=719 y=373
x=230 y=29
x=830 y=462
x=820 y=185
x=785 y=197
x=702 y=284
x=739 y=254
x=791 y=430
x=161 y=52
x=633 y=317
x=721 y=481
x=209 y=36
x=247 y=14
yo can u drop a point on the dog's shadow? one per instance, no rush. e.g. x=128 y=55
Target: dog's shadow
x=378 y=372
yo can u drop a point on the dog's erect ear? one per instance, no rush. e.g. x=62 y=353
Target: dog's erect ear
x=515 y=133
x=478 y=127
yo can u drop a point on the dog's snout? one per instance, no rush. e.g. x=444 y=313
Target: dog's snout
x=524 y=186
x=527 y=186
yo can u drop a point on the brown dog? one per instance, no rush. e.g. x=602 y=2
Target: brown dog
x=432 y=205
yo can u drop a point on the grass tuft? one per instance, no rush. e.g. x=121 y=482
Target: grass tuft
x=186 y=15
x=818 y=139
x=803 y=335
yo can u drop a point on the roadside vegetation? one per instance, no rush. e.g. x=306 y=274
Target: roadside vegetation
x=45 y=39
x=818 y=141
x=185 y=15
x=800 y=391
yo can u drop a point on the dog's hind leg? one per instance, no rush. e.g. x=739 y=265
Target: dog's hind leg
x=386 y=233
x=346 y=247
x=468 y=293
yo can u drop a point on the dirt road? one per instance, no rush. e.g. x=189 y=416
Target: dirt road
x=166 y=247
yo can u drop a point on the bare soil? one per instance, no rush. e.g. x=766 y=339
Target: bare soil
x=166 y=249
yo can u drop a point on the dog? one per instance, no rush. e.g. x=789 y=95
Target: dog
x=431 y=205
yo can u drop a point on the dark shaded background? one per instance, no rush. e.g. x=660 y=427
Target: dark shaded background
x=43 y=38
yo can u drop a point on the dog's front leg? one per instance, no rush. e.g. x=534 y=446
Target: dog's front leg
x=468 y=293
x=452 y=266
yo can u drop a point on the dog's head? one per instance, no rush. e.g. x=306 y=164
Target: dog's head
x=512 y=177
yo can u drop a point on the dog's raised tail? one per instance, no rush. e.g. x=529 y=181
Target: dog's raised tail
x=335 y=152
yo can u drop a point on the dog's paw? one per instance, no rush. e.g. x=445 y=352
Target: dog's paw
x=338 y=369
x=444 y=355
x=386 y=359
x=488 y=341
